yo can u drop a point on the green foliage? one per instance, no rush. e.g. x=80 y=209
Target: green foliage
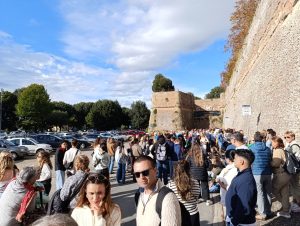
x=125 y=117
x=140 y=115
x=241 y=20
x=81 y=111
x=105 y=115
x=161 y=84
x=9 y=118
x=58 y=118
x=215 y=92
x=33 y=107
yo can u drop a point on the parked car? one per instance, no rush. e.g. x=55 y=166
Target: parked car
x=52 y=140
x=16 y=152
x=91 y=137
x=82 y=143
x=33 y=146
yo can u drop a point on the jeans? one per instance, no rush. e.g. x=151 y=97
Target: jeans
x=121 y=172
x=264 y=190
x=204 y=190
x=162 y=170
x=172 y=165
x=111 y=163
x=60 y=179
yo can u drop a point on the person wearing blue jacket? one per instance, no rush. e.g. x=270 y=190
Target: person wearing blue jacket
x=262 y=171
x=241 y=196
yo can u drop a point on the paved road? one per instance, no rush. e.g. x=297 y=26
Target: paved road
x=123 y=195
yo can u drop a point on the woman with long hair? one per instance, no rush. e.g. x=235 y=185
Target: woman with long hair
x=199 y=165
x=101 y=158
x=6 y=170
x=187 y=191
x=46 y=167
x=95 y=206
x=281 y=179
x=121 y=158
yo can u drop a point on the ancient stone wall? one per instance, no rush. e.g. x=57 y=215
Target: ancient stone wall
x=171 y=111
x=267 y=75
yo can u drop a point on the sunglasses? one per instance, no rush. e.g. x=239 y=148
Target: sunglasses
x=145 y=173
x=287 y=137
x=96 y=178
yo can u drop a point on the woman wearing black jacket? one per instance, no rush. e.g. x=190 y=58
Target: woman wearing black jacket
x=199 y=165
x=59 y=166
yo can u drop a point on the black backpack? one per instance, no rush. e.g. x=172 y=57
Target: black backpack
x=292 y=165
x=56 y=205
x=185 y=215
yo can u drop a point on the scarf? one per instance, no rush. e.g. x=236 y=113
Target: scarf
x=30 y=194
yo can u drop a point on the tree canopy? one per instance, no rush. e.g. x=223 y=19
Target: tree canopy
x=215 y=92
x=33 y=107
x=9 y=117
x=161 y=84
x=105 y=114
x=139 y=115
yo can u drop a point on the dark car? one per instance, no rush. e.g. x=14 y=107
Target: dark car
x=82 y=142
x=54 y=141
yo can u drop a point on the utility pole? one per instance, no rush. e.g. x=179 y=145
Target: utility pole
x=1 y=108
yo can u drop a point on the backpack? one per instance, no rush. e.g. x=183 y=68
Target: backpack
x=56 y=205
x=185 y=215
x=161 y=152
x=292 y=165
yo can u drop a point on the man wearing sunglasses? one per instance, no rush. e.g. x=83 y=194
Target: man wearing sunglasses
x=293 y=147
x=145 y=172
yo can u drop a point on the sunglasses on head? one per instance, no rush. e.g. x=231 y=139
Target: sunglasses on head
x=96 y=178
x=145 y=173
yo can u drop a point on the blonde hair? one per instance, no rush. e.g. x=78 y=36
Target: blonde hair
x=291 y=133
x=6 y=163
x=81 y=162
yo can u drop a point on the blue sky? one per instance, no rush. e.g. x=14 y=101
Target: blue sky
x=86 y=50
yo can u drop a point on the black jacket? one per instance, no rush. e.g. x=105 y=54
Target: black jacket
x=59 y=157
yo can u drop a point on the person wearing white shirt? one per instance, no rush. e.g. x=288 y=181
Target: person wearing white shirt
x=46 y=167
x=69 y=157
x=95 y=206
x=226 y=176
x=293 y=146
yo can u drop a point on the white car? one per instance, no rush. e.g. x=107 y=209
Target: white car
x=33 y=146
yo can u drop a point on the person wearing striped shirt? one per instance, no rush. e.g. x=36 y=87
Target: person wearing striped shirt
x=187 y=191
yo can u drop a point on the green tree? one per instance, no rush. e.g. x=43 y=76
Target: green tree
x=33 y=107
x=68 y=108
x=161 y=84
x=81 y=111
x=58 y=118
x=9 y=117
x=125 y=120
x=105 y=115
x=139 y=115
x=215 y=92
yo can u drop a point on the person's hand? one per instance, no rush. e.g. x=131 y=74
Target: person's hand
x=96 y=209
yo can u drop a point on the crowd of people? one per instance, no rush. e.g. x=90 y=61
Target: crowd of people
x=174 y=171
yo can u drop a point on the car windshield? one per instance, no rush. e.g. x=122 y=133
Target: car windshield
x=8 y=143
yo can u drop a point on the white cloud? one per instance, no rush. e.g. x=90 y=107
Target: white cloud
x=144 y=35
x=65 y=80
